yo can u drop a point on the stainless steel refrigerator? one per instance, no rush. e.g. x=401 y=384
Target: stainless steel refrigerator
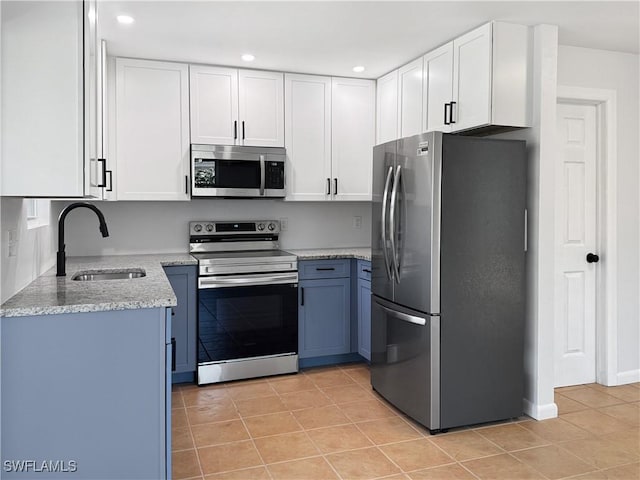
x=448 y=278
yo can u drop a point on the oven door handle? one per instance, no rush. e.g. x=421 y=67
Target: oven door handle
x=246 y=280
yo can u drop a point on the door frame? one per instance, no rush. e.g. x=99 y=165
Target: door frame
x=606 y=221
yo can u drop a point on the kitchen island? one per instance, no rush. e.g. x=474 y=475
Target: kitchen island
x=86 y=372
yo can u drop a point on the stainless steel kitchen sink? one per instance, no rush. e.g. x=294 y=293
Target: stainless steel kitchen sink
x=109 y=275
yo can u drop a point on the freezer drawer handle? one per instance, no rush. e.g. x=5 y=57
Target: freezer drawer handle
x=404 y=316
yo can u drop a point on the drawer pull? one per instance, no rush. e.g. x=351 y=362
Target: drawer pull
x=366 y=270
x=324 y=269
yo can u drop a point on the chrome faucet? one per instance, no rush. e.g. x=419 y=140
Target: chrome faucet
x=61 y=256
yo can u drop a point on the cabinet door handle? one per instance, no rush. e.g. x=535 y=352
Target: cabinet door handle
x=335 y=186
x=324 y=269
x=302 y=296
x=186 y=184
x=242 y=129
x=328 y=186
x=446 y=117
x=451 y=120
x=173 y=354
x=104 y=173
x=235 y=129
x=110 y=187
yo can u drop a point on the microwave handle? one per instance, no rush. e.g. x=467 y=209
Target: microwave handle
x=262 y=174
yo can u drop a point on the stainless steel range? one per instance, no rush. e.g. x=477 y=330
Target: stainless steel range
x=247 y=300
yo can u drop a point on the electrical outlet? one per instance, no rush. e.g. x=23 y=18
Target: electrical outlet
x=357 y=221
x=284 y=224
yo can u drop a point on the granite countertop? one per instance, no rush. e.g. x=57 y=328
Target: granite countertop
x=361 y=253
x=48 y=294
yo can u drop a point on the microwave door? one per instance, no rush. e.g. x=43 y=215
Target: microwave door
x=226 y=178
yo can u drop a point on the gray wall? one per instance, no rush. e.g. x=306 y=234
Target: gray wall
x=161 y=227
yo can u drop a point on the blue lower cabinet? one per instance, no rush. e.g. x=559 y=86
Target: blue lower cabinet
x=183 y=280
x=324 y=317
x=364 y=318
x=86 y=395
x=364 y=308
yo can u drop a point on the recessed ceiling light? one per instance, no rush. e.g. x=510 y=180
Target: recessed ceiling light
x=358 y=69
x=124 y=19
x=247 y=57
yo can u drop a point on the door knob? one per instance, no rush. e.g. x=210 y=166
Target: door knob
x=592 y=258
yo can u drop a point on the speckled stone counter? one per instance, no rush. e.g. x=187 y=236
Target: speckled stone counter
x=48 y=294
x=361 y=253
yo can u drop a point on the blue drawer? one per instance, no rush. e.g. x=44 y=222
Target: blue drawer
x=310 y=269
x=364 y=270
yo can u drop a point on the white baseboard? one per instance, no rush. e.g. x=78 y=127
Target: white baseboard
x=630 y=376
x=540 y=412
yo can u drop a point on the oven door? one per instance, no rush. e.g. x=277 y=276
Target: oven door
x=242 y=321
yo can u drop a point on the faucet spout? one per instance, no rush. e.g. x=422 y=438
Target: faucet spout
x=61 y=255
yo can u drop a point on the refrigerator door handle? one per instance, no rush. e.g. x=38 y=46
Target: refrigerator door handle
x=404 y=316
x=385 y=198
x=392 y=223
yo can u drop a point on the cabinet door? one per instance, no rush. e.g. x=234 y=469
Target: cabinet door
x=364 y=318
x=387 y=107
x=152 y=130
x=308 y=136
x=352 y=137
x=42 y=102
x=324 y=321
x=261 y=107
x=438 y=88
x=410 y=99
x=94 y=169
x=472 y=79
x=214 y=105
x=184 y=317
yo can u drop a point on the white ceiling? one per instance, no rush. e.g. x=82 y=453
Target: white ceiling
x=332 y=37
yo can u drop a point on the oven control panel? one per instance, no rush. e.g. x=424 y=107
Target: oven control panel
x=208 y=227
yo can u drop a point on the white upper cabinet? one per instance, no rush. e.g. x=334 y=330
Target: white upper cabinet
x=410 y=99
x=387 y=107
x=352 y=137
x=330 y=130
x=438 y=89
x=152 y=130
x=308 y=136
x=472 y=79
x=261 y=107
x=214 y=105
x=491 y=77
x=48 y=65
x=479 y=80
x=236 y=107
x=399 y=103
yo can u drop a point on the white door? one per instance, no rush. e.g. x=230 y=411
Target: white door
x=152 y=130
x=472 y=79
x=410 y=98
x=308 y=137
x=261 y=108
x=575 y=278
x=387 y=111
x=353 y=114
x=214 y=105
x=438 y=89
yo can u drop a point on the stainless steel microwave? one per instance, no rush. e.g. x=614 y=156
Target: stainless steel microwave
x=235 y=171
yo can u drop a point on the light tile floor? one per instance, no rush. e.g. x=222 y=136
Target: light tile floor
x=328 y=424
